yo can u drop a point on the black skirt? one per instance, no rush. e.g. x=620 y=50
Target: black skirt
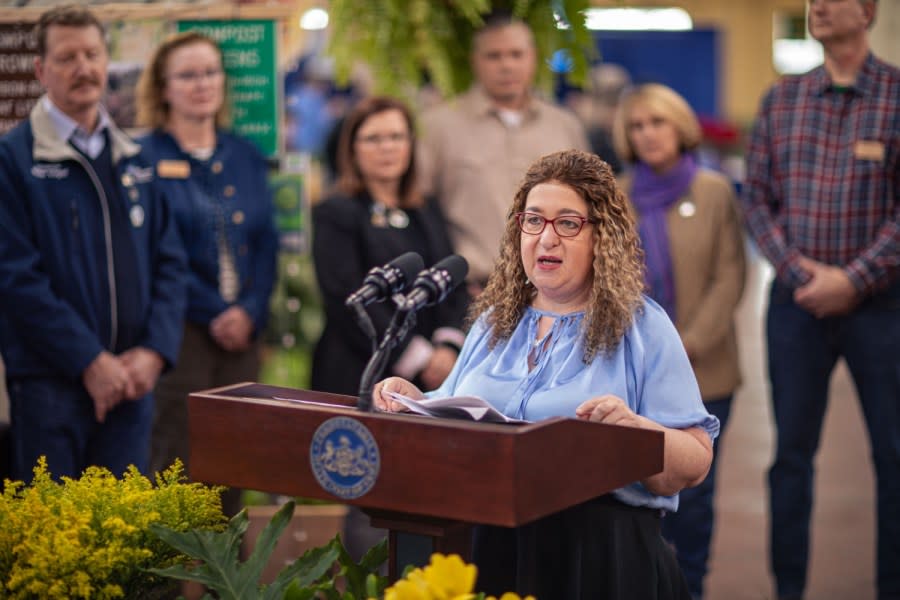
x=599 y=550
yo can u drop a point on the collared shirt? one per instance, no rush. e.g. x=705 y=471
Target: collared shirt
x=473 y=162
x=649 y=370
x=68 y=129
x=823 y=175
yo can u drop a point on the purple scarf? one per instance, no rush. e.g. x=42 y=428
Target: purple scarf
x=652 y=195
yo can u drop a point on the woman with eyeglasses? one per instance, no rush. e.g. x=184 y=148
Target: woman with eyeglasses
x=216 y=185
x=694 y=247
x=563 y=329
x=376 y=214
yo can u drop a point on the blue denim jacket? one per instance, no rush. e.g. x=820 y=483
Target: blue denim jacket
x=232 y=185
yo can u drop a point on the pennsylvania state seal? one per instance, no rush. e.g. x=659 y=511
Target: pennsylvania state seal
x=344 y=457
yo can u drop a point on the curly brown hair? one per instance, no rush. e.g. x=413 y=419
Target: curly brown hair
x=618 y=280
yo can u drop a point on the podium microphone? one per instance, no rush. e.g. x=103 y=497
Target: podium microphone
x=433 y=285
x=383 y=282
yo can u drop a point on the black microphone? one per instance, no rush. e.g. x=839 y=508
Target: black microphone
x=433 y=285
x=383 y=282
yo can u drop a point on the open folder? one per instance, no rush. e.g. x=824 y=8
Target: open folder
x=471 y=408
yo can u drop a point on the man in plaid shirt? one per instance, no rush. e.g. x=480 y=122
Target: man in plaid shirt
x=822 y=201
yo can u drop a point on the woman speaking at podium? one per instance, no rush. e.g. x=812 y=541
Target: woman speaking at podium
x=563 y=329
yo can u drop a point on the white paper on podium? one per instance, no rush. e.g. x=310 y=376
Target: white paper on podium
x=470 y=408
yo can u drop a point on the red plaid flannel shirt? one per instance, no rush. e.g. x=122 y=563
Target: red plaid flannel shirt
x=823 y=175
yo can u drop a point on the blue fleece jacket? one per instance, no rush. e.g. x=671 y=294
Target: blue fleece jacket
x=57 y=283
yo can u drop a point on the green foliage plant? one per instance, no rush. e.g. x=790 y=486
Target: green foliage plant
x=405 y=41
x=90 y=537
x=325 y=572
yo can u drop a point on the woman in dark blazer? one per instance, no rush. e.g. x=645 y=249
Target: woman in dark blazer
x=375 y=215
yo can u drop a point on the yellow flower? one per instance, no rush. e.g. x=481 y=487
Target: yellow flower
x=89 y=537
x=445 y=578
x=449 y=574
x=407 y=589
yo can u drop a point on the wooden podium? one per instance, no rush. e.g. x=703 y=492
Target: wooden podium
x=436 y=476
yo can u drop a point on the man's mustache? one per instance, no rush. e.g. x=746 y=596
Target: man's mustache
x=86 y=80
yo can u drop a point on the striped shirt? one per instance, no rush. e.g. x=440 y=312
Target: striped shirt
x=823 y=175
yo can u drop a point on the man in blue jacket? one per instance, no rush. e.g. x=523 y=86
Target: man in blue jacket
x=92 y=272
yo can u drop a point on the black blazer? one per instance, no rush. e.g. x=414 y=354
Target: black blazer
x=346 y=244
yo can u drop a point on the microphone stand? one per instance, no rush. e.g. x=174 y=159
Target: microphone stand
x=399 y=327
x=365 y=322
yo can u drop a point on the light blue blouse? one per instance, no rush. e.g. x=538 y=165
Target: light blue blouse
x=649 y=369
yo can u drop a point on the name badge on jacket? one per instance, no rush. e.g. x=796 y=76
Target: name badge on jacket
x=868 y=150
x=173 y=169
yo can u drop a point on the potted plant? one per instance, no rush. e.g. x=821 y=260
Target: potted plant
x=325 y=572
x=313 y=524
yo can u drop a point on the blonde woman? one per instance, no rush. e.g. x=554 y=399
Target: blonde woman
x=216 y=184
x=694 y=249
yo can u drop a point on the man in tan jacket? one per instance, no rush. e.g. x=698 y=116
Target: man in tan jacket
x=476 y=148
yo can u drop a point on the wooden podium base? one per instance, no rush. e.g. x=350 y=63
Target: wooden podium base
x=412 y=539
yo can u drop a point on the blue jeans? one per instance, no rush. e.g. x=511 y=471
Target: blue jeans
x=803 y=351
x=690 y=528
x=54 y=417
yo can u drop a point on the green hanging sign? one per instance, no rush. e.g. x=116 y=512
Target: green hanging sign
x=249 y=53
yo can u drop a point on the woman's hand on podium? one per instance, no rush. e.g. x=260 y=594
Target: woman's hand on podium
x=398 y=385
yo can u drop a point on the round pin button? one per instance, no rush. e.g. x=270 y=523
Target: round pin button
x=378 y=219
x=687 y=209
x=237 y=217
x=216 y=167
x=398 y=218
x=228 y=191
x=136 y=214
